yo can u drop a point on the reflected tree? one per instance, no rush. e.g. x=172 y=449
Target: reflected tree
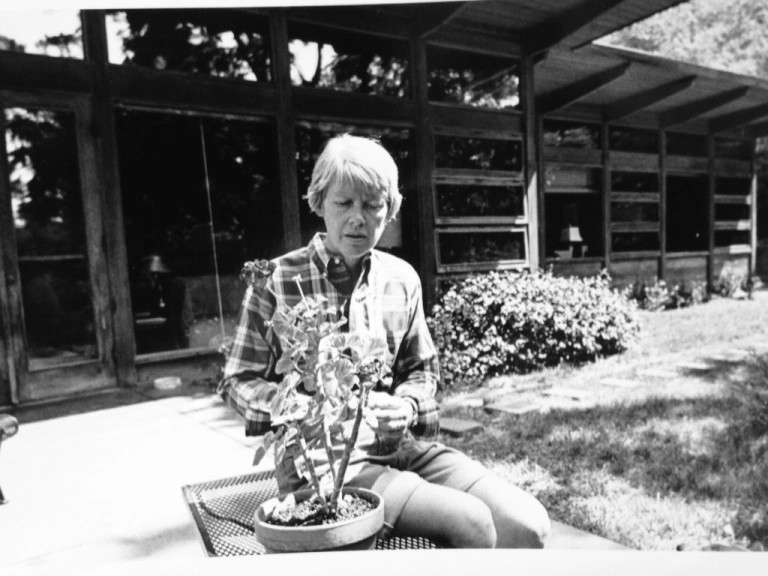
x=225 y=43
x=45 y=187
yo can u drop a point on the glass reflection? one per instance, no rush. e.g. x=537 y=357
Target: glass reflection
x=479 y=247
x=634 y=212
x=457 y=201
x=478 y=153
x=563 y=134
x=55 y=33
x=223 y=43
x=478 y=80
x=50 y=235
x=347 y=62
x=182 y=255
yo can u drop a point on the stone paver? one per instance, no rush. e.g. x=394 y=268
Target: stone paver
x=565 y=392
x=620 y=382
x=459 y=427
x=658 y=373
x=693 y=365
x=514 y=407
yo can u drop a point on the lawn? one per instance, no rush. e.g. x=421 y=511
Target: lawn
x=681 y=460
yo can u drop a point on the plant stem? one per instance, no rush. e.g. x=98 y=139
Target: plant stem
x=328 y=444
x=312 y=472
x=349 y=445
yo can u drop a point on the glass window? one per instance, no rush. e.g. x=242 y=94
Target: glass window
x=478 y=246
x=223 y=43
x=479 y=80
x=679 y=144
x=310 y=139
x=687 y=213
x=733 y=149
x=573 y=178
x=732 y=212
x=634 y=212
x=635 y=242
x=725 y=238
x=633 y=140
x=462 y=201
x=478 y=153
x=200 y=197
x=634 y=182
x=340 y=60
x=733 y=186
x=564 y=134
x=574 y=225
x=47 y=206
x=54 y=33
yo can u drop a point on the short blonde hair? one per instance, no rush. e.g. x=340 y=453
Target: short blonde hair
x=357 y=162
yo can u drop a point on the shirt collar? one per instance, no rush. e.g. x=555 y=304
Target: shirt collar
x=319 y=252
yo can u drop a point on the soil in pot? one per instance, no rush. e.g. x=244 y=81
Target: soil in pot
x=363 y=517
x=311 y=513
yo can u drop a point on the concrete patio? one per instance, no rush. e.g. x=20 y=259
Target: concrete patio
x=99 y=480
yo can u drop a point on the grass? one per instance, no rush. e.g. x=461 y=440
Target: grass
x=682 y=460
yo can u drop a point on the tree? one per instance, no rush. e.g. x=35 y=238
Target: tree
x=725 y=35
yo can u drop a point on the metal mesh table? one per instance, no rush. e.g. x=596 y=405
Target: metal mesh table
x=223 y=513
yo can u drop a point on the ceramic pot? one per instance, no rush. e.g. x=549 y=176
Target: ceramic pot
x=356 y=534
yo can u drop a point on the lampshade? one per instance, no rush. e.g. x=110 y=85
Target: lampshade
x=154 y=263
x=570 y=234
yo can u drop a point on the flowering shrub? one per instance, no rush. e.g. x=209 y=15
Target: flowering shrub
x=732 y=283
x=515 y=322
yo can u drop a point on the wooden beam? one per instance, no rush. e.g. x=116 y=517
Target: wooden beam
x=738 y=119
x=567 y=95
x=757 y=130
x=428 y=18
x=685 y=112
x=555 y=30
x=540 y=57
x=636 y=102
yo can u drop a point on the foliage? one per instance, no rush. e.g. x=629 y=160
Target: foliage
x=326 y=373
x=726 y=35
x=503 y=323
x=732 y=283
x=657 y=295
x=218 y=43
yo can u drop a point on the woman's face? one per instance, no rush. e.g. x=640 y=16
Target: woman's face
x=354 y=221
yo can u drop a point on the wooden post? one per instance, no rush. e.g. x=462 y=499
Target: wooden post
x=424 y=160
x=286 y=132
x=10 y=286
x=753 y=216
x=104 y=136
x=533 y=154
x=662 y=205
x=711 y=211
x=606 y=191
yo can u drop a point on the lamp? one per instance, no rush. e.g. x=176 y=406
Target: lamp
x=571 y=235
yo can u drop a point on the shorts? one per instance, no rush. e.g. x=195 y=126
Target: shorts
x=395 y=476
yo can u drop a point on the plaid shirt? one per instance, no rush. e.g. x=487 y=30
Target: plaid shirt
x=385 y=302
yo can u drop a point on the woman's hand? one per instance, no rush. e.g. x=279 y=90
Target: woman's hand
x=392 y=415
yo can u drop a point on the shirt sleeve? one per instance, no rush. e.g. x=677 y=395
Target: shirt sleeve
x=416 y=370
x=249 y=381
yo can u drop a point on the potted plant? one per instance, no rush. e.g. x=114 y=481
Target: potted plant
x=327 y=375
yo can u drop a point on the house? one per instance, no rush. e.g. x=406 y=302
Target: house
x=149 y=153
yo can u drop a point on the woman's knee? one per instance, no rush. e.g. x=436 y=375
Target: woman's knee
x=475 y=528
x=520 y=519
x=533 y=530
x=461 y=519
